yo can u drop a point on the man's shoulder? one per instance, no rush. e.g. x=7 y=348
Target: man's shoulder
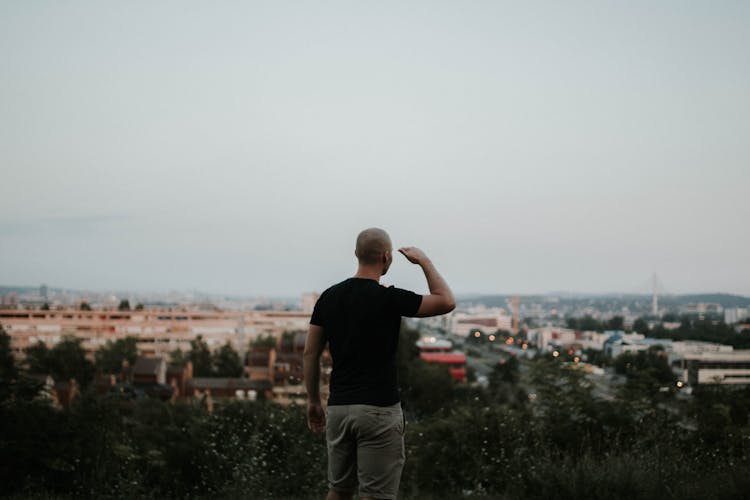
x=336 y=286
x=333 y=290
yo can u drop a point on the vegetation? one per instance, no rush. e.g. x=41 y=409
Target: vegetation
x=588 y=323
x=65 y=361
x=264 y=341
x=706 y=330
x=224 y=362
x=462 y=441
x=109 y=359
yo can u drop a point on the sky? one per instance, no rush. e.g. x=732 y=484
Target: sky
x=239 y=147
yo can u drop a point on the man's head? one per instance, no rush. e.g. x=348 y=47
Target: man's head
x=374 y=249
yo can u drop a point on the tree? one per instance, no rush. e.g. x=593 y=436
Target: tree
x=8 y=371
x=646 y=371
x=670 y=318
x=200 y=356
x=139 y=307
x=506 y=371
x=66 y=360
x=85 y=306
x=109 y=358
x=124 y=305
x=568 y=412
x=640 y=326
x=263 y=341
x=425 y=388
x=37 y=358
x=227 y=362
x=178 y=357
x=616 y=323
x=45 y=307
x=587 y=323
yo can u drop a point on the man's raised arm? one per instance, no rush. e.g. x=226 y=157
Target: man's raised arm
x=441 y=300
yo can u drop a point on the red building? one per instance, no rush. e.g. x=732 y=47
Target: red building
x=434 y=350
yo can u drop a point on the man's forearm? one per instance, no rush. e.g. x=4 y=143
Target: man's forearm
x=435 y=282
x=311 y=368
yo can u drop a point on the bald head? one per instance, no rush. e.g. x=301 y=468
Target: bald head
x=372 y=243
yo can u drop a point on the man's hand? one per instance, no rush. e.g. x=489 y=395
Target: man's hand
x=440 y=300
x=316 y=418
x=414 y=254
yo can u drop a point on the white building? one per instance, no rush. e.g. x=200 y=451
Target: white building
x=487 y=320
x=547 y=337
x=714 y=367
x=735 y=315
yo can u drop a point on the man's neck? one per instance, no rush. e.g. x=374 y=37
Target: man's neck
x=369 y=273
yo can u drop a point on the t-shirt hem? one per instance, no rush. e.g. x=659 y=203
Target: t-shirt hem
x=381 y=402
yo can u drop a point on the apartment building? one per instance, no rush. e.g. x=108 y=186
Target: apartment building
x=159 y=330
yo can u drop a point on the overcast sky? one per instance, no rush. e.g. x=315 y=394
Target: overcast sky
x=240 y=146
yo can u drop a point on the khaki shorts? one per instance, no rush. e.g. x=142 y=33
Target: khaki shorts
x=365 y=447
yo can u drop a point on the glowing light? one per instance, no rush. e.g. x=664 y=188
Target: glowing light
x=492 y=338
x=477 y=334
x=555 y=354
x=576 y=359
x=679 y=383
x=525 y=346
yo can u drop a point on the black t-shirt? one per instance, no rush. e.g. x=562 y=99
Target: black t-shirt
x=361 y=320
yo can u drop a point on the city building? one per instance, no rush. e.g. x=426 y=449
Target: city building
x=487 y=320
x=434 y=350
x=549 y=337
x=456 y=362
x=159 y=330
x=714 y=367
x=734 y=315
x=149 y=370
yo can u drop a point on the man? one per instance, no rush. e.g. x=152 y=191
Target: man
x=360 y=319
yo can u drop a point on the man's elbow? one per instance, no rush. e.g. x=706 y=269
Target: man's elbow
x=450 y=305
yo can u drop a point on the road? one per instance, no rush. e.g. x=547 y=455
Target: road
x=482 y=358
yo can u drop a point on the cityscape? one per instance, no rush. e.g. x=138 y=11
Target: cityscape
x=671 y=355
x=197 y=198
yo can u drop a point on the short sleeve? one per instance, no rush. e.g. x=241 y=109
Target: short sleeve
x=405 y=302
x=317 y=314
